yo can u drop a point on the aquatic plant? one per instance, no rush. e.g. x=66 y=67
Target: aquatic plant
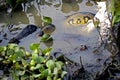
x=115 y=9
x=46 y=37
x=20 y=64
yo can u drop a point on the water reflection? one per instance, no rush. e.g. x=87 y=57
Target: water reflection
x=69 y=6
x=89 y=3
x=17 y=17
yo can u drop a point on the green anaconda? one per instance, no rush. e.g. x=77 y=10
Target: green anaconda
x=29 y=29
x=80 y=18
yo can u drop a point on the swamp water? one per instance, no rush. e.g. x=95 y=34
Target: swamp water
x=66 y=38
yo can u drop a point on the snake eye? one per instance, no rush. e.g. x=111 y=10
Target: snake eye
x=86 y=18
x=78 y=21
x=71 y=21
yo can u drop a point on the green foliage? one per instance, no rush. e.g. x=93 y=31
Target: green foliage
x=14 y=4
x=115 y=9
x=46 y=37
x=22 y=65
x=10 y=2
x=47 y=20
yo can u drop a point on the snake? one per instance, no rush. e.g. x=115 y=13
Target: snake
x=80 y=18
x=29 y=29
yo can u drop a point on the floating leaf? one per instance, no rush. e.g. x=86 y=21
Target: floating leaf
x=32 y=62
x=41 y=76
x=49 y=78
x=54 y=78
x=34 y=46
x=34 y=56
x=45 y=72
x=2 y=48
x=46 y=51
x=59 y=79
x=47 y=20
x=45 y=37
x=39 y=59
x=24 y=63
x=12 y=57
x=10 y=52
x=12 y=46
x=63 y=73
x=50 y=64
x=17 y=65
x=41 y=68
x=14 y=77
x=19 y=72
x=20 y=53
x=28 y=54
x=37 y=66
x=59 y=65
x=55 y=71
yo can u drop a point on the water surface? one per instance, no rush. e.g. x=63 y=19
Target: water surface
x=66 y=38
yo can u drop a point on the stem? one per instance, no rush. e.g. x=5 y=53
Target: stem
x=81 y=62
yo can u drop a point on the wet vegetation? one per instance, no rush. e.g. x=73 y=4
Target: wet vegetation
x=19 y=64
x=22 y=65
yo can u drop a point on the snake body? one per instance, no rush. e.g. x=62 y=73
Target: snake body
x=29 y=29
x=80 y=18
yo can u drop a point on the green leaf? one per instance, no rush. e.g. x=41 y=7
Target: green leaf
x=41 y=68
x=59 y=65
x=41 y=76
x=63 y=73
x=34 y=46
x=46 y=51
x=2 y=48
x=39 y=59
x=45 y=37
x=59 y=79
x=34 y=56
x=45 y=72
x=24 y=63
x=38 y=66
x=32 y=62
x=12 y=57
x=19 y=72
x=17 y=65
x=49 y=78
x=55 y=71
x=50 y=64
x=14 y=76
x=12 y=46
x=10 y=52
x=116 y=19
x=36 y=51
x=47 y=20
x=16 y=49
x=54 y=78
x=20 y=53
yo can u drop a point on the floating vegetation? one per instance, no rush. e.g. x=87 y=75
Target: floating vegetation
x=22 y=65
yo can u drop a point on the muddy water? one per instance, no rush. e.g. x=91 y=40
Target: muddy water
x=67 y=38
